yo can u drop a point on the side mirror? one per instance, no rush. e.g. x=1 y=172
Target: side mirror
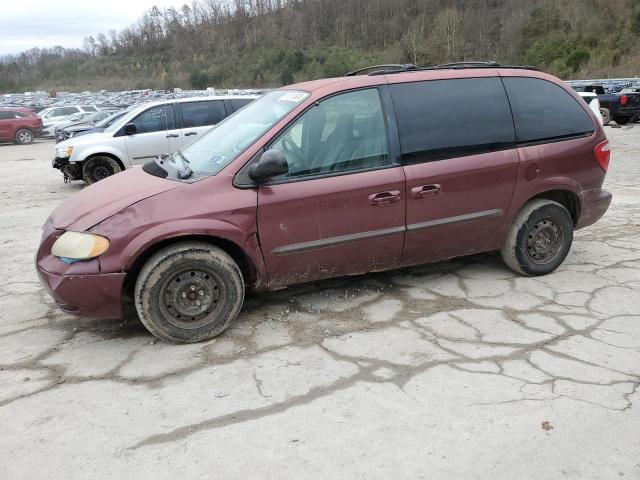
x=130 y=129
x=271 y=163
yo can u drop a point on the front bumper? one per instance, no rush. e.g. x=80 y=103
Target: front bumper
x=593 y=205
x=92 y=296
x=60 y=162
x=78 y=288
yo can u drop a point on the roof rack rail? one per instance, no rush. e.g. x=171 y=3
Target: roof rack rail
x=409 y=67
x=382 y=69
x=490 y=63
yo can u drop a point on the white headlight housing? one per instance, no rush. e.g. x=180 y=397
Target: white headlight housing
x=79 y=246
x=64 y=152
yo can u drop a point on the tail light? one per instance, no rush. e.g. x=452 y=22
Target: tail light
x=624 y=99
x=603 y=154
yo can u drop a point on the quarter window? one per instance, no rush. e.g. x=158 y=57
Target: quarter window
x=341 y=134
x=441 y=119
x=543 y=110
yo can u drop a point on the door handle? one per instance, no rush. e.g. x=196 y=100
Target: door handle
x=173 y=135
x=424 y=191
x=384 y=198
x=190 y=133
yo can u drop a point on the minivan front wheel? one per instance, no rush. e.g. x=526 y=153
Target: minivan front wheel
x=98 y=168
x=539 y=239
x=189 y=292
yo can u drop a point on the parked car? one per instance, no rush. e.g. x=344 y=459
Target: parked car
x=87 y=120
x=329 y=178
x=84 y=129
x=620 y=107
x=144 y=133
x=19 y=125
x=594 y=104
x=50 y=116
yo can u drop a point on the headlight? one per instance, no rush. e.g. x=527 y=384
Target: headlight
x=72 y=246
x=64 y=152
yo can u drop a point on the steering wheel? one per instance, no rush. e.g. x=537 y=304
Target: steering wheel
x=290 y=149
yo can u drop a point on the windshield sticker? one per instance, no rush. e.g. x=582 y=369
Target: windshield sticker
x=293 y=97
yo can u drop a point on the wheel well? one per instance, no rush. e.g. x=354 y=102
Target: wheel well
x=110 y=155
x=567 y=199
x=239 y=256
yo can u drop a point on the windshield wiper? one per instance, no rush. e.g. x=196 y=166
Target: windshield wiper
x=187 y=172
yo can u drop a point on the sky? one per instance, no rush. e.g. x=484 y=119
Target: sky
x=25 y=24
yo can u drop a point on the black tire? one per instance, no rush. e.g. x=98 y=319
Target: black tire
x=175 y=279
x=622 y=120
x=98 y=168
x=24 y=136
x=539 y=239
x=606 y=116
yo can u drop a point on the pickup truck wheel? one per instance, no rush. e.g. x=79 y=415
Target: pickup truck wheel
x=24 y=136
x=622 y=120
x=606 y=116
x=98 y=168
x=189 y=292
x=539 y=239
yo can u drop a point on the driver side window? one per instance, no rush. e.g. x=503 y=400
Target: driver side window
x=343 y=133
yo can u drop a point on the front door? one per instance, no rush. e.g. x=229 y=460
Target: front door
x=156 y=135
x=340 y=209
x=458 y=149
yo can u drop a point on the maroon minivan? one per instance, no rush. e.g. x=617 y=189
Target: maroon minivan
x=334 y=177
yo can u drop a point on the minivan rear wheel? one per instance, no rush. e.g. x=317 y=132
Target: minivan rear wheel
x=24 y=136
x=189 y=292
x=98 y=168
x=539 y=239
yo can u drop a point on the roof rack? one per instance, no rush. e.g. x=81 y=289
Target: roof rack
x=399 y=68
x=382 y=69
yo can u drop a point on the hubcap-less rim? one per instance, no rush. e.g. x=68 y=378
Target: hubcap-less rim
x=101 y=172
x=192 y=298
x=544 y=241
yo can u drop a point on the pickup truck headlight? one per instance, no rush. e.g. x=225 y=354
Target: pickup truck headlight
x=75 y=246
x=64 y=152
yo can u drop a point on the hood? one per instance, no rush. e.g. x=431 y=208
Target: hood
x=89 y=138
x=108 y=197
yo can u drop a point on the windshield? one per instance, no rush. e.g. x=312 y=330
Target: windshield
x=110 y=119
x=231 y=137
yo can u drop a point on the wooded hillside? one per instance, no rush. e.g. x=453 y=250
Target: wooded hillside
x=247 y=43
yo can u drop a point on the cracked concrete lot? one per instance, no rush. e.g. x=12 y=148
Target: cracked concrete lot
x=458 y=370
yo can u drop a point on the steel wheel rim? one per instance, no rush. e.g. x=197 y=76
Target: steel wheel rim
x=544 y=241
x=192 y=298
x=100 y=172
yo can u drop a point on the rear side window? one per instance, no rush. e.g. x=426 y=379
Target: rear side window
x=544 y=111
x=199 y=114
x=441 y=119
x=90 y=108
x=6 y=115
x=67 y=111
